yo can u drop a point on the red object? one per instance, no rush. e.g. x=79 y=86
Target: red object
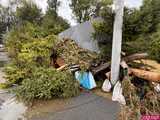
x=150 y=117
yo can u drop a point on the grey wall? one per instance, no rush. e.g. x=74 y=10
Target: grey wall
x=82 y=34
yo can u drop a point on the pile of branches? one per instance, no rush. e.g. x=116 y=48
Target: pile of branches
x=141 y=99
x=138 y=85
x=73 y=54
x=139 y=91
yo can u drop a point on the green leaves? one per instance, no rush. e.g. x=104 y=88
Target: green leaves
x=30 y=49
x=47 y=83
x=28 y=12
x=154 y=48
x=82 y=9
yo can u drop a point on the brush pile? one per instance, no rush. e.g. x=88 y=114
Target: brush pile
x=140 y=94
x=73 y=54
x=138 y=83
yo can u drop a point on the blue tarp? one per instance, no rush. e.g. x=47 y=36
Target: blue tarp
x=85 y=79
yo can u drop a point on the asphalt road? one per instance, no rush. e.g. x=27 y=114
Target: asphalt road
x=87 y=106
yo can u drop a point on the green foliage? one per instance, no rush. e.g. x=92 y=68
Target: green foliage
x=138 y=27
x=47 y=83
x=31 y=54
x=15 y=74
x=104 y=30
x=27 y=49
x=54 y=24
x=30 y=49
x=4 y=85
x=38 y=52
x=154 y=49
x=20 y=35
x=82 y=9
x=29 y=12
x=53 y=5
x=149 y=16
x=7 y=19
x=138 y=45
x=131 y=29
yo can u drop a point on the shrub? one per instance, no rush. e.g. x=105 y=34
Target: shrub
x=30 y=55
x=30 y=50
x=15 y=74
x=47 y=83
x=21 y=35
x=37 y=52
x=139 y=45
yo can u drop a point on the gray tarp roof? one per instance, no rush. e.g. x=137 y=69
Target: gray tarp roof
x=83 y=36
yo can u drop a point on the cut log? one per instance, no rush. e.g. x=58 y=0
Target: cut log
x=130 y=58
x=136 y=56
x=124 y=65
x=146 y=75
x=62 y=67
x=101 y=68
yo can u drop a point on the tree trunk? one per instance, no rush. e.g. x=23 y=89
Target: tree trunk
x=146 y=75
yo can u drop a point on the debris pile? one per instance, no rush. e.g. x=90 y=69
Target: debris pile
x=138 y=88
x=73 y=54
x=67 y=55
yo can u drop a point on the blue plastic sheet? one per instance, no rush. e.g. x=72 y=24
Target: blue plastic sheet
x=85 y=79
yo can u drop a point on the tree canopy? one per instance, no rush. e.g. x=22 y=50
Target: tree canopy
x=28 y=11
x=53 y=5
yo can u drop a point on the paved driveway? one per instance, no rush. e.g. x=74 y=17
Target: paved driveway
x=87 y=106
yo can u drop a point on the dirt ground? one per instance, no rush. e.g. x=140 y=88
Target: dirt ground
x=44 y=106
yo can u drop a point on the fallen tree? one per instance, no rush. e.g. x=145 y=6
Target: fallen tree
x=136 y=56
x=101 y=68
x=146 y=75
x=130 y=58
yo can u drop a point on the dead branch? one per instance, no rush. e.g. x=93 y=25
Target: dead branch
x=130 y=58
x=101 y=68
x=136 y=56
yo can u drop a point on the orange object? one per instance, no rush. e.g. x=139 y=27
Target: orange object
x=147 y=75
x=60 y=62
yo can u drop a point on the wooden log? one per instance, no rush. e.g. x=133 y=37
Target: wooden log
x=101 y=68
x=124 y=65
x=136 y=56
x=146 y=75
x=62 y=67
x=130 y=58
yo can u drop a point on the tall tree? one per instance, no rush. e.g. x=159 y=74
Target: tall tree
x=53 y=6
x=82 y=9
x=28 y=11
x=149 y=16
x=7 y=18
x=52 y=22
